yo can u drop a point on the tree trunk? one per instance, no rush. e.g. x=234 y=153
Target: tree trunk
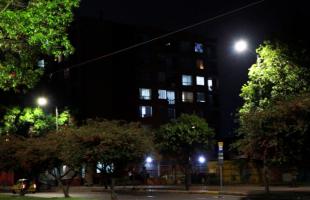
x=89 y=174
x=65 y=190
x=188 y=175
x=266 y=176
x=113 y=194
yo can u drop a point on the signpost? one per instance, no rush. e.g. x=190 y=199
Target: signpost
x=221 y=163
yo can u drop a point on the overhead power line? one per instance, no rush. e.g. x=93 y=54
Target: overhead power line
x=161 y=36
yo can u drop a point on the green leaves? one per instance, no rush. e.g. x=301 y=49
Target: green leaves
x=275 y=114
x=114 y=142
x=185 y=135
x=277 y=76
x=37 y=28
x=30 y=121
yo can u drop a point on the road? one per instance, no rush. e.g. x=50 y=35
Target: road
x=140 y=196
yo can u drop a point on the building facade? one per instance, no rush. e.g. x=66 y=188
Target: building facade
x=151 y=83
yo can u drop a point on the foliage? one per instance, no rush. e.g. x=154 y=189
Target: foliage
x=274 y=118
x=281 y=133
x=29 y=31
x=275 y=81
x=30 y=121
x=277 y=75
x=182 y=137
x=114 y=143
x=9 y=145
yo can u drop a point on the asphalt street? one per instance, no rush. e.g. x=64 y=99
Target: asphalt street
x=139 y=196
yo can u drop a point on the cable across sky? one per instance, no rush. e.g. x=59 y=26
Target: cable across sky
x=161 y=36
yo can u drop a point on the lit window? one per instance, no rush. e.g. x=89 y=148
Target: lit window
x=145 y=111
x=162 y=94
x=200 y=64
x=200 y=80
x=201 y=97
x=210 y=85
x=187 y=97
x=198 y=47
x=41 y=63
x=171 y=113
x=186 y=80
x=145 y=93
x=171 y=97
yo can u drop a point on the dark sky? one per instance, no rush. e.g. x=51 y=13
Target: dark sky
x=255 y=24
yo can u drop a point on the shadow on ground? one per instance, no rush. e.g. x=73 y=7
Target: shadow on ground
x=279 y=196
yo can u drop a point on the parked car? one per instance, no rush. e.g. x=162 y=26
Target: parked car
x=24 y=186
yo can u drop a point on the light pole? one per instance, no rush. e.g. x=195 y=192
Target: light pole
x=42 y=101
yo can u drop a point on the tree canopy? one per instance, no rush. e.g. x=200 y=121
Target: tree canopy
x=278 y=74
x=29 y=122
x=30 y=30
x=274 y=118
x=183 y=137
x=114 y=142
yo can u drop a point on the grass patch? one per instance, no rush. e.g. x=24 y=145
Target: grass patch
x=15 y=197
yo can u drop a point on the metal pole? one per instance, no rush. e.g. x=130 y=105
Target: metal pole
x=221 y=180
x=56 y=116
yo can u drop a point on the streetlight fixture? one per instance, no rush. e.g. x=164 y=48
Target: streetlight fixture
x=240 y=46
x=201 y=159
x=149 y=159
x=42 y=101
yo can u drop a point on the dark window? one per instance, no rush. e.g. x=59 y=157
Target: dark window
x=161 y=76
x=201 y=97
x=171 y=113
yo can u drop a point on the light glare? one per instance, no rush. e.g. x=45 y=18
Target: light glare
x=149 y=160
x=241 y=46
x=42 y=101
x=202 y=159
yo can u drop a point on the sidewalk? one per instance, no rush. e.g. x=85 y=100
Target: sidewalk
x=241 y=190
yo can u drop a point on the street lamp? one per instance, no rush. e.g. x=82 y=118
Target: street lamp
x=149 y=159
x=201 y=159
x=42 y=101
x=240 y=46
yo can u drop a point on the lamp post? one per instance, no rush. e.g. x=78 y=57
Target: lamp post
x=42 y=101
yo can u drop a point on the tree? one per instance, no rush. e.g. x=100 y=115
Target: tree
x=114 y=144
x=268 y=122
x=30 y=122
x=30 y=30
x=182 y=137
x=279 y=73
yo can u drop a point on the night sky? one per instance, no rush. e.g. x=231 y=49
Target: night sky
x=256 y=24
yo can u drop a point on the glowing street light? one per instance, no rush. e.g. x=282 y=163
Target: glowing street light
x=240 y=46
x=149 y=159
x=42 y=101
x=201 y=159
